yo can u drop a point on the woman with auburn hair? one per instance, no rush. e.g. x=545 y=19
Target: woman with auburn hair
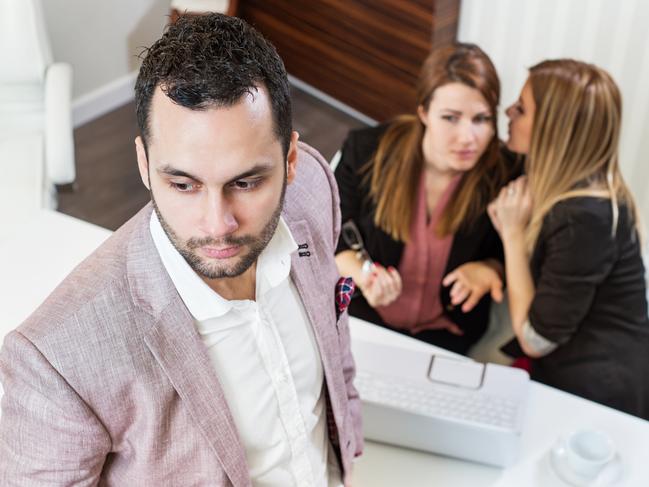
x=570 y=230
x=415 y=191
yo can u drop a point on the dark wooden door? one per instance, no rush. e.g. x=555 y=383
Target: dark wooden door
x=365 y=53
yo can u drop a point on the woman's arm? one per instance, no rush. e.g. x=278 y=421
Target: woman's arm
x=520 y=290
x=380 y=286
x=510 y=214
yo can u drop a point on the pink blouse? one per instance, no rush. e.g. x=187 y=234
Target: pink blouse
x=422 y=267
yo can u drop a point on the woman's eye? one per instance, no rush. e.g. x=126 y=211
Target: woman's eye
x=450 y=118
x=483 y=118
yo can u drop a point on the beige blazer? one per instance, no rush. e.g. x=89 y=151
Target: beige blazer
x=108 y=382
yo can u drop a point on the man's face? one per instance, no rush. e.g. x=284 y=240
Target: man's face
x=217 y=179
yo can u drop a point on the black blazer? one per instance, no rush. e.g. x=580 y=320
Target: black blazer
x=590 y=299
x=478 y=242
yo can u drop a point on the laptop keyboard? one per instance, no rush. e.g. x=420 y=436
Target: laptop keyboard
x=472 y=406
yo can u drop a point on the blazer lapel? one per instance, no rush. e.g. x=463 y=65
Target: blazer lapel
x=183 y=357
x=318 y=300
x=178 y=349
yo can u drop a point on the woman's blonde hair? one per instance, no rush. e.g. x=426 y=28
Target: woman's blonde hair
x=395 y=169
x=575 y=138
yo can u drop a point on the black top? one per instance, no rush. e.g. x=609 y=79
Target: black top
x=591 y=300
x=478 y=242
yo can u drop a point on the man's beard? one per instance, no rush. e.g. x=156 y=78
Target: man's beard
x=255 y=243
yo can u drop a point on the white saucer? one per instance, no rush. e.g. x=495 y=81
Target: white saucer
x=608 y=477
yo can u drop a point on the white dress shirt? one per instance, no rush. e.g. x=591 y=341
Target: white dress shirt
x=267 y=361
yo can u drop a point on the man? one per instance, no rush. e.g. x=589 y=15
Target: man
x=200 y=344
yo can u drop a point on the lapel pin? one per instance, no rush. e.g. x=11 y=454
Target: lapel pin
x=302 y=250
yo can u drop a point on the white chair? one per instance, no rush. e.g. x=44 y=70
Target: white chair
x=36 y=132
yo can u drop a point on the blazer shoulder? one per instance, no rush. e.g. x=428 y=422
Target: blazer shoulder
x=592 y=213
x=514 y=163
x=360 y=144
x=313 y=195
x=100 y=280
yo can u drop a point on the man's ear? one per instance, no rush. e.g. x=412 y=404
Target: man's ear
x=291 y=158
x=142 y=162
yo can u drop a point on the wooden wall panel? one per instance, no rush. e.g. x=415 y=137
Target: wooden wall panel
x=365 y=53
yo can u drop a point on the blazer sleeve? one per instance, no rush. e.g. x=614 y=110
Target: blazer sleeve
x=48 y=435
x=349 y=185
x=578 y=252
x=353 y=398
x=348 y=365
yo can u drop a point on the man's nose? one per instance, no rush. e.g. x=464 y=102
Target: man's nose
x=218 y=219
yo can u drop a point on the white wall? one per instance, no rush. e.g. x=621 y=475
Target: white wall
x=613 y=34
x=101 y=38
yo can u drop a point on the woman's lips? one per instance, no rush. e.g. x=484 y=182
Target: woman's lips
x=224 y=253
x=466 y=154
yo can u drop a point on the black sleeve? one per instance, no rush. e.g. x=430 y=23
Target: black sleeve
x=493 y=244
x=577 y=253
x=349 y=184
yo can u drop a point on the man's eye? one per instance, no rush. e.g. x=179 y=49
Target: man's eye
x=183 y=187
x=245 y=184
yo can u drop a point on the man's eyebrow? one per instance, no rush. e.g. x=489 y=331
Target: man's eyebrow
x=172 y=171
x=257 y=170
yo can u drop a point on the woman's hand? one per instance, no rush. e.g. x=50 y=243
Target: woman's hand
x=510 y=211
x=381 y=286
x=471 y=281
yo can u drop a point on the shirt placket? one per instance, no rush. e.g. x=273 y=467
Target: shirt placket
x=274 y=358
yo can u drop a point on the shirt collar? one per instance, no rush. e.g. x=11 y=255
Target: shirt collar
x=273 y=267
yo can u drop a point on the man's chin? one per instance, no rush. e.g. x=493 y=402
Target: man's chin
x=222 y=267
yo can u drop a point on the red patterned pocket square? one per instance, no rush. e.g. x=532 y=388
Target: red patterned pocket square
x=344 y=292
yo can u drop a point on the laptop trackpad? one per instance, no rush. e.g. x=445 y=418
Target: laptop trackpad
x=461 y=373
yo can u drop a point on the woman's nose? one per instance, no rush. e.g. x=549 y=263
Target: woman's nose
x=510 y=111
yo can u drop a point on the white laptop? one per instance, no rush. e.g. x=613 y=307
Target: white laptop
x=441 y=404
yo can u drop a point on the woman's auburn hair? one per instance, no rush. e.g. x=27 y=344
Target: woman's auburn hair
x=575 y=138
x=394 y=170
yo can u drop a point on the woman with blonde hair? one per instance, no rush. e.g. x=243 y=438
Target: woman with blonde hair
x=415 y=191
x=570 y=230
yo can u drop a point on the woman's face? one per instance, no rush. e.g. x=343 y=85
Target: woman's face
x=521 y=119
x=459 y=125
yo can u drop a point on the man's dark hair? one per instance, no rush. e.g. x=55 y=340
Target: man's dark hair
x=212 y=61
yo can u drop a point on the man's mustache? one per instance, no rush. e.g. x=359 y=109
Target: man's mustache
x=195 y=243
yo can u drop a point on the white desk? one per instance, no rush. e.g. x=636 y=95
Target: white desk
x=22 y=162
x=550 y=413
x=37 y=250
x=40 y=250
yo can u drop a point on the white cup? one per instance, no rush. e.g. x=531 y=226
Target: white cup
x=588 y=452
